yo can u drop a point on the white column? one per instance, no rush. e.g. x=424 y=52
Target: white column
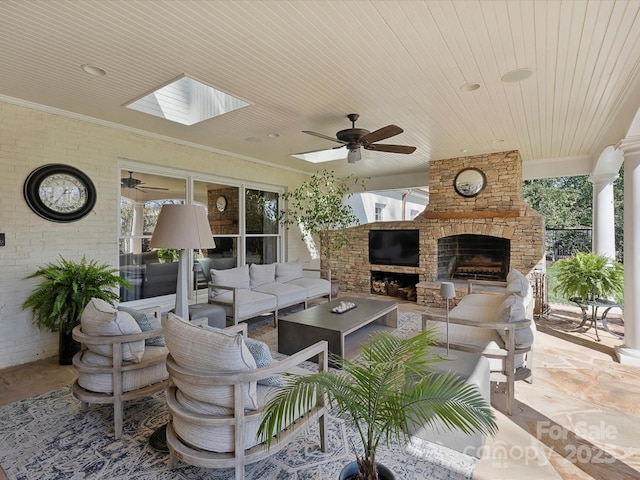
x=604 y=238
x=629 y=352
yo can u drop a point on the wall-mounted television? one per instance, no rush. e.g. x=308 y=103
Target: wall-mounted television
x=394 y=247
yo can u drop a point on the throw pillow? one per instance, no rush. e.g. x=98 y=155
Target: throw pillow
x=147 y=322
x=517 y=283
x=261 y=274
x=512 y=310
x=99 y=318
x=233 y=277
x=209 y=352
x=263 y=358
x=287 y=271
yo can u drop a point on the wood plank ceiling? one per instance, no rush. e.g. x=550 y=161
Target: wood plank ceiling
x=304 y=65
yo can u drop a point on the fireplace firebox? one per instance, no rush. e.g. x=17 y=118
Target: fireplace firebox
x=467 y=256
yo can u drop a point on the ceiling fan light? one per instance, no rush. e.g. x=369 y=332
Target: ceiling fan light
x=354 y=155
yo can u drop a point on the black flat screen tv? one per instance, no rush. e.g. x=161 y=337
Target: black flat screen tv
x=394 y=247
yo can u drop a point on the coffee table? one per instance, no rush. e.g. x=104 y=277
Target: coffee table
x=302 y=329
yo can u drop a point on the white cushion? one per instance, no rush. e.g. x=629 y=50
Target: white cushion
x=99 y=318
x=131 y=379
x=250 y=303
x=286 y=294
x=209 y=351
x=316 y=287
x=287 y=271
x=214 y=438
x=512 y=310
x=261 y=274
x=517 y=283
x=233 y=277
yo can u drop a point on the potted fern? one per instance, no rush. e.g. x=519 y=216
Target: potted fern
x=384 y=391
x=589 y=276
x=66 y=288
x=317 y=207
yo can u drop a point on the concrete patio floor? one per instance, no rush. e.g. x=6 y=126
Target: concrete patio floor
x=579 y=419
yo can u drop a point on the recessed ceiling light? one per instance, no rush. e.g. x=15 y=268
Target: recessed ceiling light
x=497 y=141
x=517 y=75
x=464 y=150
x=93 y=70
x=273 y=135
x=470 y=87
x=253 y=139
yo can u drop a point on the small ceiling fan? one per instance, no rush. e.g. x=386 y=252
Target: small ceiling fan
x=354 y=138
x=136 y=184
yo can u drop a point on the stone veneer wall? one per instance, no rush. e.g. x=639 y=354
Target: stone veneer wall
x=499 y=211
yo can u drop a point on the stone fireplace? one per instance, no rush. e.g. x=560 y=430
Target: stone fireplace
x=460 y=237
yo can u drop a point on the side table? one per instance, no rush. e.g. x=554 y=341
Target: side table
x=214 y=314
x=593 y=317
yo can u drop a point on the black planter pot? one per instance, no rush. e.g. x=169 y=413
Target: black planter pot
x=67 y=348
x=350 y=471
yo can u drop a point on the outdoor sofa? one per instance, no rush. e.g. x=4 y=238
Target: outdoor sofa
x=248 y=291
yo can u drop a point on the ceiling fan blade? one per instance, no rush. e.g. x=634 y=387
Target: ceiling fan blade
x=384 y=147
x=320 y=135
x=381 y=134
x=150 y=188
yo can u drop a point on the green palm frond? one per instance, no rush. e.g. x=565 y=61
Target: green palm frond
x=388 y=388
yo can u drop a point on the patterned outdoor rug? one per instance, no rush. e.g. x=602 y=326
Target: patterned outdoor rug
x=48 y=437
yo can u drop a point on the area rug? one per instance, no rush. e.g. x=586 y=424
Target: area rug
x=49 y=437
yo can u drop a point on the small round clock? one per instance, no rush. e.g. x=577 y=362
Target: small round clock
x=59 y=193
x=221 y=203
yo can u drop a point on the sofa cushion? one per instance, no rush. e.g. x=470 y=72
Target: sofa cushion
x=517 y=283
x=217 y=439
x=209 y=351
x=233 y=277
x=250 y=303
x=512 y=310
x=285 y=293
x=261 y=274
x=316 y=287
x=131 y=379
x=287 y=271
x=146 y=321
x=99 y=318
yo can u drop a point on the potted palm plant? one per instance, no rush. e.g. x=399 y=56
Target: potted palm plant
x=67 y=287
x=381 y=393
x=317 y=207
x=589 y=276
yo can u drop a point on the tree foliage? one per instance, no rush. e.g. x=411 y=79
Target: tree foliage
x=568 y=202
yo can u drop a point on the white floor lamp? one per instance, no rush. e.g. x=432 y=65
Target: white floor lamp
x=448 y=290
x=185 y=227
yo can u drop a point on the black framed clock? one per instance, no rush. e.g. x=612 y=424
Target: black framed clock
x=59 y=193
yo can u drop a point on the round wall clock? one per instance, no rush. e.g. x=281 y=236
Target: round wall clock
x=221 y=203
x=60 y=193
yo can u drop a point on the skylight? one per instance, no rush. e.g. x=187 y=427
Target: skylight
x=186 y=101
x=323 y=155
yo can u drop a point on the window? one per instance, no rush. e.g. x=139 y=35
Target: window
x=261 y=210
x=151 y=273
x=378 y=212
x=243 y=222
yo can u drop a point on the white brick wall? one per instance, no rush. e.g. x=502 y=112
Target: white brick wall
x=31 y=138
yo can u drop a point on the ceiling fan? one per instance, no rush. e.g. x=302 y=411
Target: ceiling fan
x=354 y=138
x=130 y=182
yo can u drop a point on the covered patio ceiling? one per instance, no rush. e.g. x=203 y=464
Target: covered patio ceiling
x=438 y=69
